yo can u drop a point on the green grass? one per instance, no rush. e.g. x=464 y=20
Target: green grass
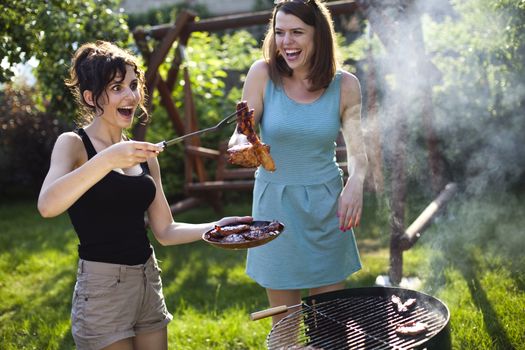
x=472 y=260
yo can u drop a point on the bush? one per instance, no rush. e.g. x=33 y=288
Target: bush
x=50 y=32
x=27 y=137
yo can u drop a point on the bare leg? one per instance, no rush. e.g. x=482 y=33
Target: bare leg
x=283 y=297
x=322 y=327
x=328 y=288
x=124 y=344
x=157 y=340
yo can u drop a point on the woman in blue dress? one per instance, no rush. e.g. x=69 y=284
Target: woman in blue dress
x=302 y=100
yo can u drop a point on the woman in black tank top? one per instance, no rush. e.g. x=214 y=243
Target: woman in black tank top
x=107 y=183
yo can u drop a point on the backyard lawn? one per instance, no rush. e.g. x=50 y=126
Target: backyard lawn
x=472 y=259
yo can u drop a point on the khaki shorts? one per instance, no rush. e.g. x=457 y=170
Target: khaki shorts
x=112 y=302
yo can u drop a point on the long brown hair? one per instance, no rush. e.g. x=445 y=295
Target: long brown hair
x=93 y=67
x=324 y=59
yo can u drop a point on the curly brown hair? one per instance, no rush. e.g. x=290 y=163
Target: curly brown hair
x=93 y=67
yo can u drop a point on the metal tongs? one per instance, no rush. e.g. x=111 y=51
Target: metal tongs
x=226 y=121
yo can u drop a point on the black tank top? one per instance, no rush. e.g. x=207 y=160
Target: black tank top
x=109 y=217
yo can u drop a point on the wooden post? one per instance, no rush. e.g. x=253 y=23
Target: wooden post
x=164 y=91
x=414 y=231
x=427 y=69
x=398 y=200
x=391 y=34
x=388 y=33
x=375 y=180
x=155 y=59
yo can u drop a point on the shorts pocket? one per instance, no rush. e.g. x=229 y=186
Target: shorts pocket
x=96 y=305
x=95 y=285
x=154 y=295
x=155 y=281
x=78 y=311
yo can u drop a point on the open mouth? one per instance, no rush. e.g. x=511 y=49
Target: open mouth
x=126 y=111
x=292 y=54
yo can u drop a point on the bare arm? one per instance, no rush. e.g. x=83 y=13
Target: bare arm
x=70 y=174
x=253 y=94
x=66 y=179
x=165 y=229
x=351 y=199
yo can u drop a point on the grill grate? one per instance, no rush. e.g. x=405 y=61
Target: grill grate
x=358 y=322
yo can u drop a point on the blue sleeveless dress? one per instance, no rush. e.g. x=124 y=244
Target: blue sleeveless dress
x=302 y=194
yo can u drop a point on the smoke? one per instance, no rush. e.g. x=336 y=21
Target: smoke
x=465 y=56
x=449 y=56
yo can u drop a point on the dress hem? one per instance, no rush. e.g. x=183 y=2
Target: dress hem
x=307 y=286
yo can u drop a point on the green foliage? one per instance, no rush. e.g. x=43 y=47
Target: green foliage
x=481 y=98
x=263 y=5
x=50 y=31
x=216 y=66
x=26 y=139
x=164 y=14
x=351 y=54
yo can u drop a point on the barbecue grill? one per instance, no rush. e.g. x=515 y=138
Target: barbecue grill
x=362 y=318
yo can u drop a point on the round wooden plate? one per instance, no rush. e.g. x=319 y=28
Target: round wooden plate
x=246 y=243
